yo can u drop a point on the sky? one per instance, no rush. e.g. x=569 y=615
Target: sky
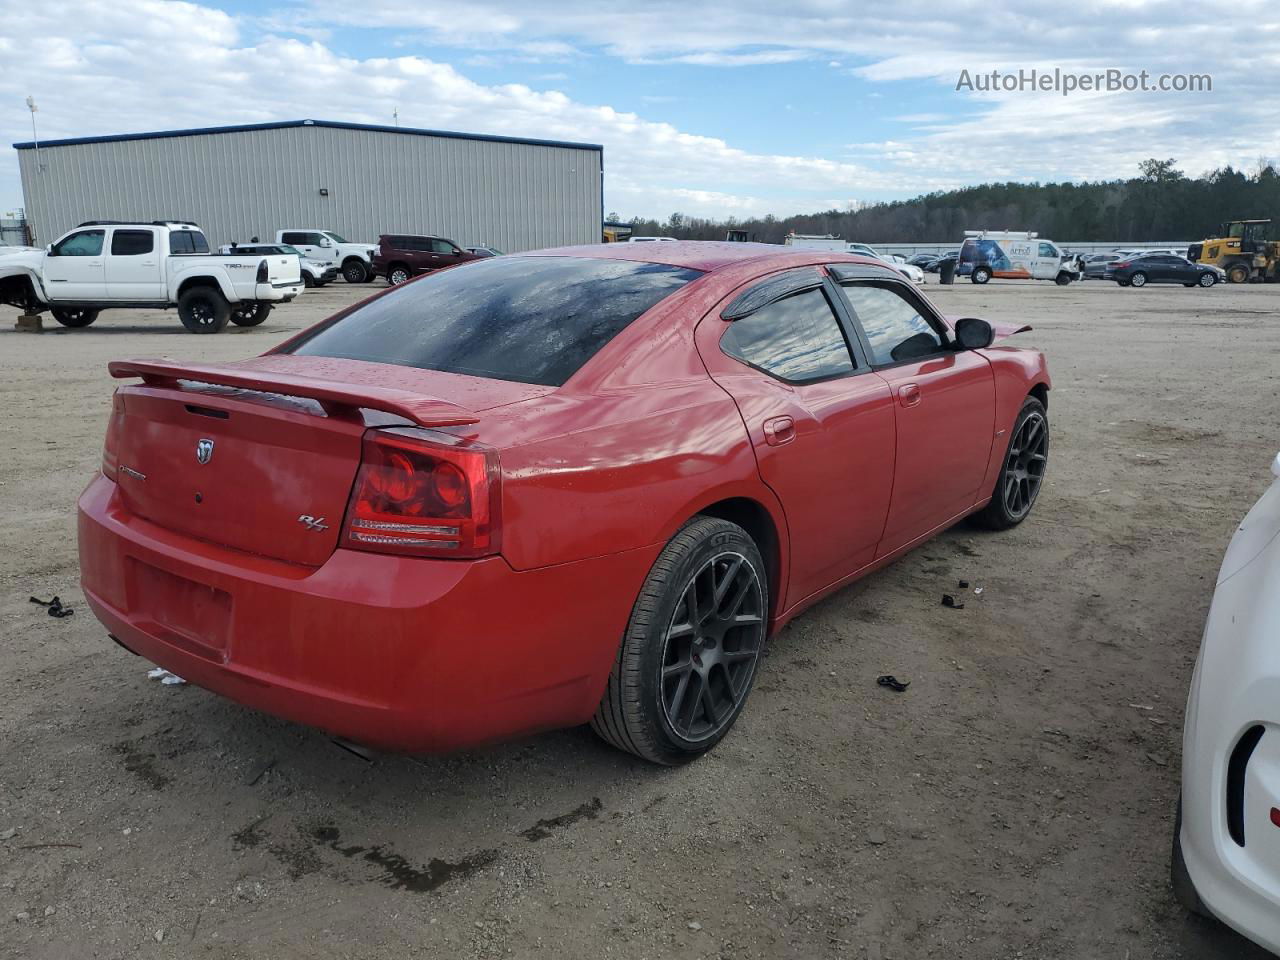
x=711 y=108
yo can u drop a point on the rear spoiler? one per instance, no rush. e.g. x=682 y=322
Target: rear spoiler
x=424 y=411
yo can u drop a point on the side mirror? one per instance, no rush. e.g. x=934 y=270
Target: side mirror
x=457 y=252
x=48 y=248
x=326 y=242
x=973 y=334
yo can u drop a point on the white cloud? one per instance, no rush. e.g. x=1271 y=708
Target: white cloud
x=144 y=64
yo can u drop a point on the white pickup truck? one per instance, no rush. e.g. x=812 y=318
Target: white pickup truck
x=353 y=260
x=105 y=264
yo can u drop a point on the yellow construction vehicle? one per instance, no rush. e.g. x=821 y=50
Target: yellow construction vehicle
x=1245 y=249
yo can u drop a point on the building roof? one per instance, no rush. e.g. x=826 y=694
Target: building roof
x=282 y=124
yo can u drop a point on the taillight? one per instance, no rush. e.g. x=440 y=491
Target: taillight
x=262 y=272
x=1122 y=265
x=109 y=462
x=424 y=497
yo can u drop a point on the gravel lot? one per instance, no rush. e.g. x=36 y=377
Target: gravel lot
x=1016 y=801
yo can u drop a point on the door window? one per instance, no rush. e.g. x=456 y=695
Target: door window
x=1047 y=250
x=132 y=243
x=895 y=327
x=796 y=339
x=86 y=243
x=441 y=246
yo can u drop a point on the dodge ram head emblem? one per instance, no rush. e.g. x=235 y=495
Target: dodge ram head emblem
x=204 y=451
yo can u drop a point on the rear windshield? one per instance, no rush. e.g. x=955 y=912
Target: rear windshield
x=528 y=319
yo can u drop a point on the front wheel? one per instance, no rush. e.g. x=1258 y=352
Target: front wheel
x=355 y=271
x=1023 y=472
x=1207 y=280
x=307 y=281
x=689 y=655
x=250 y=314
x=1062 y=279
x=77 y=318
x=980 y=275
x=203 y=310
x=1139 y=279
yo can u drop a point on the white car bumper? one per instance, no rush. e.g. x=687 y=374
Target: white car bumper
x=1229 y=791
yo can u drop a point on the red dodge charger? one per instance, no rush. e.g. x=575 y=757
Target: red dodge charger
x=533 y=491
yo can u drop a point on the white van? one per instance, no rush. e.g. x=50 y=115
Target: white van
x=1014 y=256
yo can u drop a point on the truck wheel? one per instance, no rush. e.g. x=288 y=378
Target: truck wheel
x=398 y=274
x=1063 y=279
x=307 y=281
x=74 y=318
x=1238 y=273
x=250 y=314
x=354 y=270
x=980 y=275
x=203 y=310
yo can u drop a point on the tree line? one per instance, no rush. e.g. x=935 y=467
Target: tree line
x=1161 y=203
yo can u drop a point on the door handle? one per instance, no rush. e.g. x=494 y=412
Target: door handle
x=909 y=394
x=779 y=430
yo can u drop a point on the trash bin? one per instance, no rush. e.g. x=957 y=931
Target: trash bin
x=947 y=271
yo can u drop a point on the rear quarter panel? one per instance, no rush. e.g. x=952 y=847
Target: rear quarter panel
x=631 y=447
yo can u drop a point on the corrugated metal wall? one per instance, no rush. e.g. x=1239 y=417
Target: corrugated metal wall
x=236 y=185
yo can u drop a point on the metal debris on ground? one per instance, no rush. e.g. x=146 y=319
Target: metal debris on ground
x=948 y=600
x=54 y=607
x=892 y=682
x=164 y=676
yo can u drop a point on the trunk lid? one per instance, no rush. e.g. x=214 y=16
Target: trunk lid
x=260 y=456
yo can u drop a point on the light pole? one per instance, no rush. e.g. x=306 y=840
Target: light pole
x=35 y=138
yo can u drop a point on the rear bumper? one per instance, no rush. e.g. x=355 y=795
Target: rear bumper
x=278 y=291
x=397 y=653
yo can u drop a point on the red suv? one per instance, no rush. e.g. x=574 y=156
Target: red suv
x=400 y=256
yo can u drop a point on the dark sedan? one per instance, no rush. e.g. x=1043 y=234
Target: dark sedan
x=935 y=266
x=1162 y=268
x=922 y=260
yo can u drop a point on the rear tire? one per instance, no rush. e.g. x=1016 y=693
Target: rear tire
x=980 y=275
x=1238 y=273
x=204 y=310
x=1026 y=460
x=398 y=274
x=355 y=270
x=686 y=663
x=250 y=314
x=75 y=318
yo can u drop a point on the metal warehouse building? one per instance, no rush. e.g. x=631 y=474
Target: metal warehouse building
x=357 y=180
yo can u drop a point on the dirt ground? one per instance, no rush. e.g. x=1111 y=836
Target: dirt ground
x=1016 y=801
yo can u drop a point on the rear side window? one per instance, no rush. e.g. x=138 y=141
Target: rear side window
x=894 y=326
x=132 y=243
x=294 y=236
x=796 y=339
x=527 y=319
x=187 y=241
